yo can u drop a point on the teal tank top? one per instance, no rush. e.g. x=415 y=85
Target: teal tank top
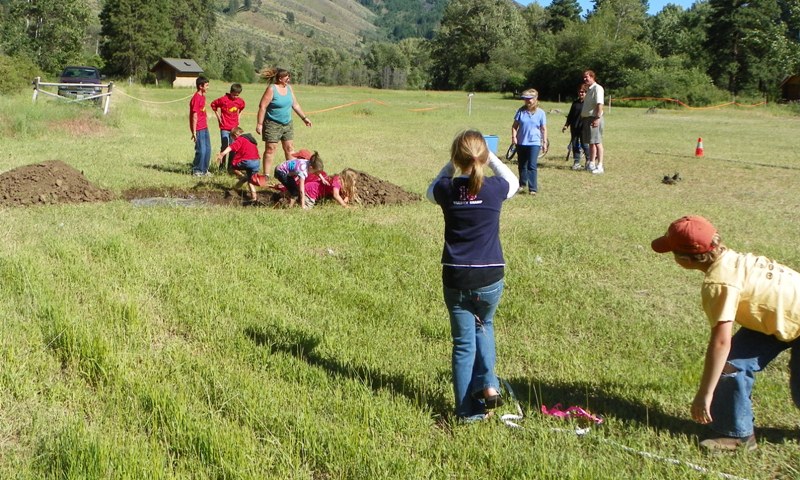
x=280 y=108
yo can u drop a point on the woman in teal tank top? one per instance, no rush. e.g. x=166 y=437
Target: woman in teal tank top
x=274 y=119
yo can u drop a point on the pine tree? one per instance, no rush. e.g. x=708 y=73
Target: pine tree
x=750 y=44
x=562 y=12
x=136 y=33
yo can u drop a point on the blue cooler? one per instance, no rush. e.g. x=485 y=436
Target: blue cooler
x=492 y=142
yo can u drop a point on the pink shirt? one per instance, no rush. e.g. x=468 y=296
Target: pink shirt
x=316 y=190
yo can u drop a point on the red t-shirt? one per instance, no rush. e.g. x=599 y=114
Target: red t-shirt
x=229 y=109
x=244 y=149
x=198 y=105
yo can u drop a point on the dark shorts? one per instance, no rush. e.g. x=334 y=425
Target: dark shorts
x=289 y=182
x=274 y=132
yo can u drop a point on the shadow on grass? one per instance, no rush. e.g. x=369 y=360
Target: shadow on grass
x=530 y=395
x=600 y=401
x=182 y=168
x=303 y=346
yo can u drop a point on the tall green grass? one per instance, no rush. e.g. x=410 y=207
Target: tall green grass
x=258 y=343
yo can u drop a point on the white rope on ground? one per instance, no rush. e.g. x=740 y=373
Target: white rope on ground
x=510 y=421
x=149 y=101
x=673 y=461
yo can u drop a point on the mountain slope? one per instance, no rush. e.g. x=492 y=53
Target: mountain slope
x=290 y=24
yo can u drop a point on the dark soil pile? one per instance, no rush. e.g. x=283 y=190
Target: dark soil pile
x=372 y=191
x=47 y=183
x=56 y=182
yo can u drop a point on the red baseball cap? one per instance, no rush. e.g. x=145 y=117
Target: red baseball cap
x=690 y=234
x=304 y=154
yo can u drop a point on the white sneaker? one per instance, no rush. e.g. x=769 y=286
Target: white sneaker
x=598 y=170
x=590 y=166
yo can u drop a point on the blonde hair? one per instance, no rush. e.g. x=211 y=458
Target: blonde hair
x=531 y=92
x=469 y=153
x=272 y=74
x=238 y=131
x=349 y=179
x=717 y=249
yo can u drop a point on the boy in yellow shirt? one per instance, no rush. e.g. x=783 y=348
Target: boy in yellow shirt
x=763 y=297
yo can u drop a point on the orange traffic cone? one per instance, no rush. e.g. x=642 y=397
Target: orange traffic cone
x=698 y=152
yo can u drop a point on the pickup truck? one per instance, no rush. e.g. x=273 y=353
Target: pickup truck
x=89 y=79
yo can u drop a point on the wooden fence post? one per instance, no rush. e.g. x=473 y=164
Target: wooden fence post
x=108 y=98
x=35 y=88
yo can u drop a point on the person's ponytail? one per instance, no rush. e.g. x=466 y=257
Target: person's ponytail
x=469 y=151
x=476 y=178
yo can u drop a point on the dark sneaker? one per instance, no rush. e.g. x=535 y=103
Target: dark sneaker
x=493 y=401
x=729 y=443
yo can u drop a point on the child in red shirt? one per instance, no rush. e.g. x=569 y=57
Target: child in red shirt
x=198 y=125
x=227 y=109
x=246 y=160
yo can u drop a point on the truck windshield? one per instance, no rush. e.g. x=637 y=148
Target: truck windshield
x=80 y=72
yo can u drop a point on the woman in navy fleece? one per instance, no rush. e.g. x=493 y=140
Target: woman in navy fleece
x=472 y=266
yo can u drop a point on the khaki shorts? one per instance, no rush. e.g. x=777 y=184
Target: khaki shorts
x=592 y=135
x=274 y=132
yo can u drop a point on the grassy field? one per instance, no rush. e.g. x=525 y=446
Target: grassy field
x=233 y=343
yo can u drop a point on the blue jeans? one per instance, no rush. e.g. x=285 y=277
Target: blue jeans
x=202 y=152
x=250 y=167
x=528 y=163
x=751 y=351
x=578 y=147
x=225 y=140
x=472 y=330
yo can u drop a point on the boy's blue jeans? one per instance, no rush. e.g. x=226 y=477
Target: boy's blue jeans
x=751 y=351
x=528 y=163
x=202 y=151
x=472 y=330
x=225 y=139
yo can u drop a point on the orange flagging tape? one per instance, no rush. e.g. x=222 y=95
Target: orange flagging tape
x=674 y=100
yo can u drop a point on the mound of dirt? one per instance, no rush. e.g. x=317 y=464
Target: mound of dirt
x=372 y=191
x=56 y=182
x=46 y=183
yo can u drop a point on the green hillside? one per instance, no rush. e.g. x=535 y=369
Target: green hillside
x=293 y=24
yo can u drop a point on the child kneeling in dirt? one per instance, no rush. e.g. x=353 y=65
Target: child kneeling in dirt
x=342 y=188
x=246 y=160
x=293 y=173
x=763 y=297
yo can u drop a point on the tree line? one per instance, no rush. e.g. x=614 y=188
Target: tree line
x=701 y=55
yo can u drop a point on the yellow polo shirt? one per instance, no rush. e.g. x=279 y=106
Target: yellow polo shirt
x=755 y=292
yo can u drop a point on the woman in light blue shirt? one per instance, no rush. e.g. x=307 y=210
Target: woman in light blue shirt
x=529 y=134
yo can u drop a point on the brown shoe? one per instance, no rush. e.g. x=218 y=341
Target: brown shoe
x=729 y=443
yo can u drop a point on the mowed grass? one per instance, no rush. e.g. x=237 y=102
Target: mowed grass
x=259 y=343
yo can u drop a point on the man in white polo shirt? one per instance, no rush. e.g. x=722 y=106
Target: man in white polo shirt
x=593 y=122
